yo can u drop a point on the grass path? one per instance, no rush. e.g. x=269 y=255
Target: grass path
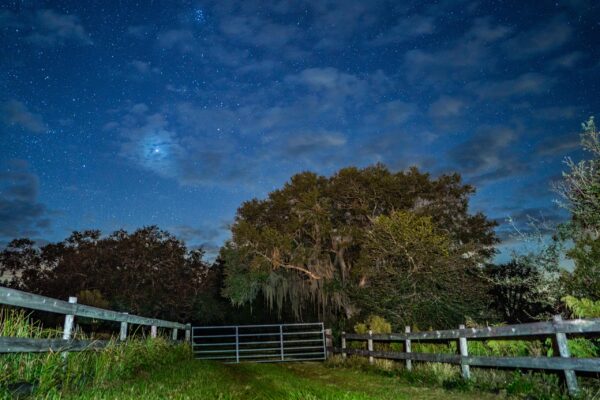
x=300 y=381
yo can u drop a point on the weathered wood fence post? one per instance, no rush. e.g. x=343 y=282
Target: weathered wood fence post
x=370 y=347
x=123 y=332
x=153 y=331
x=68 y=328
x=344 y=355
x=188 y=332
x=69 y=322
x=563 y=350
x=407 y=348
x=464 y=352
x=328 y=342
x=174 y=334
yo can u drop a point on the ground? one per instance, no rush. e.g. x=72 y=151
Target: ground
x=299 y=381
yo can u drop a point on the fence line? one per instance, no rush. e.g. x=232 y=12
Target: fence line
x=557 y=328
x=71 y=309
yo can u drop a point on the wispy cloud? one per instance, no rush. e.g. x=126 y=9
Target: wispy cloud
x=545 y=37
x=16 y=113
x=52 y=28
x=21 y=213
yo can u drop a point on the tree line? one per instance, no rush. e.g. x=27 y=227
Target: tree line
x=365 y=241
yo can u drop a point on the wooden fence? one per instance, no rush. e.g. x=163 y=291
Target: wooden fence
x=557 y=329
x=71 y=309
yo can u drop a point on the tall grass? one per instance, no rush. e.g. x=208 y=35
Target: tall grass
x=513 y=383
x=52 y=374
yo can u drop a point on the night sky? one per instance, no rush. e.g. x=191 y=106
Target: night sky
x=120 y=114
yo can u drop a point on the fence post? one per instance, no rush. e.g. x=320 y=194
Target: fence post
x=237 y=345
x=407 y=348
x=344 y=345
x=188 y=331
x=123 y=333
x=281 y=340
x=153 y=331
x=174 y=334
x=464 y=352
x=328 y=341
x=370 y=346
x=68 y=328
x=69 y=321
x=563 y=350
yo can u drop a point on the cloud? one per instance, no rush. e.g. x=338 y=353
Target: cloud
x=335 y=21
x=329 y=79
x=51 y=28
x=205 y=237
x=471 y=51
x=8 y=19
x=488 y=155
x=446 y=106
x=203 y=233
x=568 y=60
x=139 y=31
x=179 y=39
x=405 y=28
x=303 y=144
x=148 y=141
x=144 y=67
x=20 y=212
x=16 y=113
x=555 y=113
x=558 y=145
x=530 y=83
x=178 y=143
x=258 y=31
x=545 y=37
x=390 y=114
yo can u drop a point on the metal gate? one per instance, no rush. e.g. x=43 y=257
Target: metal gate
x=260 y=343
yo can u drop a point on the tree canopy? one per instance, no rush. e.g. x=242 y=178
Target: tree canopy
x=148 y=272
x=301 y=247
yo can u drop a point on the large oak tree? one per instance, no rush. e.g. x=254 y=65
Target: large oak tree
x=301 y=246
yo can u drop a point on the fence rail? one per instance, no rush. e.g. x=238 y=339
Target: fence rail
x=71 y=309
x=557 y=328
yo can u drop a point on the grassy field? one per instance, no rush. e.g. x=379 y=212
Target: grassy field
x=301 y=381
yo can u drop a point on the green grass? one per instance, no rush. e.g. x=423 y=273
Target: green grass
x=50 y=375
x=195 y=379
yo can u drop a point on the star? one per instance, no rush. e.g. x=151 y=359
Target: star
x=199 y=16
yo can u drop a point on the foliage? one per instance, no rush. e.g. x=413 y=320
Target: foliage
x=580 y=188
x=375 y=324
x=520 y=291
x=582 y=308
x=148 y=272
x=584 y=281
x=414 y=275
x=300 y=248
x=51 y=375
